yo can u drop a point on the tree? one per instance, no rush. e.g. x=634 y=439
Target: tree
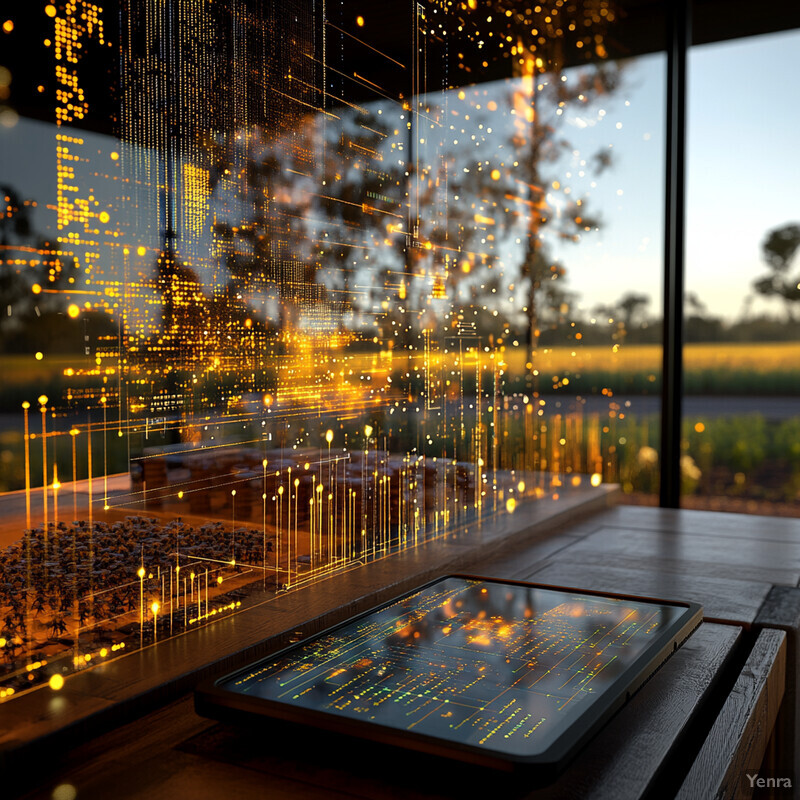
x=699 y=325
x=779 y=250
x=35 y=283
x=631 y=305
x=524 y=186
x=546 y=39
x=359 y=205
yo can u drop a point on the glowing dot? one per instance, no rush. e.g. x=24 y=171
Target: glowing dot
x=115 y=156
x=103 y=652
x=521 y=487
x=104 y=217
x=511 y=504
x=36 y=289
x=329 y=436
x=8 y=26
x=155 y=606
x=495 y=174
x=39 y=356
x=140 y=572
x=73 y=310
x=596 y=479
x=2 y=641
x=50 y=10
x=180 y=495
x=56 y=682
x=699 y=427
x=141 y=250
x=219 y=580
x=360 y=21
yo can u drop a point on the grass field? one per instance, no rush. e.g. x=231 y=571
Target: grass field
x=743 y=455
x=23 y=378
x=726 y=368
x=729 y=368
x=762 y=357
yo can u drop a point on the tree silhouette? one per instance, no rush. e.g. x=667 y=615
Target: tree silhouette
x=359 y=206
x=631 y=305
x=546 y=40
x=779 y=250
x=35 y=280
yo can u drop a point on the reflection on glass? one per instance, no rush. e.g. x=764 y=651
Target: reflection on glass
x=741 y=421
x=487 y=665
x=268 y=314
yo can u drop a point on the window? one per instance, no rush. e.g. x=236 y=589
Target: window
x=741 y=420
x=283 y=295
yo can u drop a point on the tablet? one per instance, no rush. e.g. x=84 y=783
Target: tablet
x=498 y=673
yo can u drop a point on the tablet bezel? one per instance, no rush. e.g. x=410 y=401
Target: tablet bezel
x=213 y=701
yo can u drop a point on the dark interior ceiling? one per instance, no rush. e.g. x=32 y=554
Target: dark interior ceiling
x=387 y=29
x=640 y=28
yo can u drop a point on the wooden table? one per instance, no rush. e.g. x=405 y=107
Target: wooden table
x=693 y=730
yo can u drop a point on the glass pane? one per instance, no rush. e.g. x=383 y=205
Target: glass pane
x=741 y=417
x=279 y=305
x=600 y=353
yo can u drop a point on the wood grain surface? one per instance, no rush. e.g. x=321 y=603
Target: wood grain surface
x=738 y=739
x=173 y=753
x=722 y=599
x=117 y=691
x=649 y=746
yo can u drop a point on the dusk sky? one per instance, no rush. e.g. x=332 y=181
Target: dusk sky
x=744 y=169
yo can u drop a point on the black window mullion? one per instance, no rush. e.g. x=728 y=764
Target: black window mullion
x=678 y=18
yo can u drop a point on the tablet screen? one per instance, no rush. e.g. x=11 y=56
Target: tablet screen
x=481 y=663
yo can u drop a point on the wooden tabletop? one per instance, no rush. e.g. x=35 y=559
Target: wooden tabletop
x=173 y=753
x=726 y=562
x=120 y=689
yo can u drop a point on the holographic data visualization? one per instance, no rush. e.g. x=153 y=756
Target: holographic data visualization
x=274 y=278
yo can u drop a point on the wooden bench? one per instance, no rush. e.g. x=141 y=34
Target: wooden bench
x=731 y=760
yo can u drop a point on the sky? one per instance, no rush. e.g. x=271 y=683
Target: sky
x=743 y=173
x=744 y=161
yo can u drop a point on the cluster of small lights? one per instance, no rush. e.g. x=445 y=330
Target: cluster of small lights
x=80 y=22
x=547 y=32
